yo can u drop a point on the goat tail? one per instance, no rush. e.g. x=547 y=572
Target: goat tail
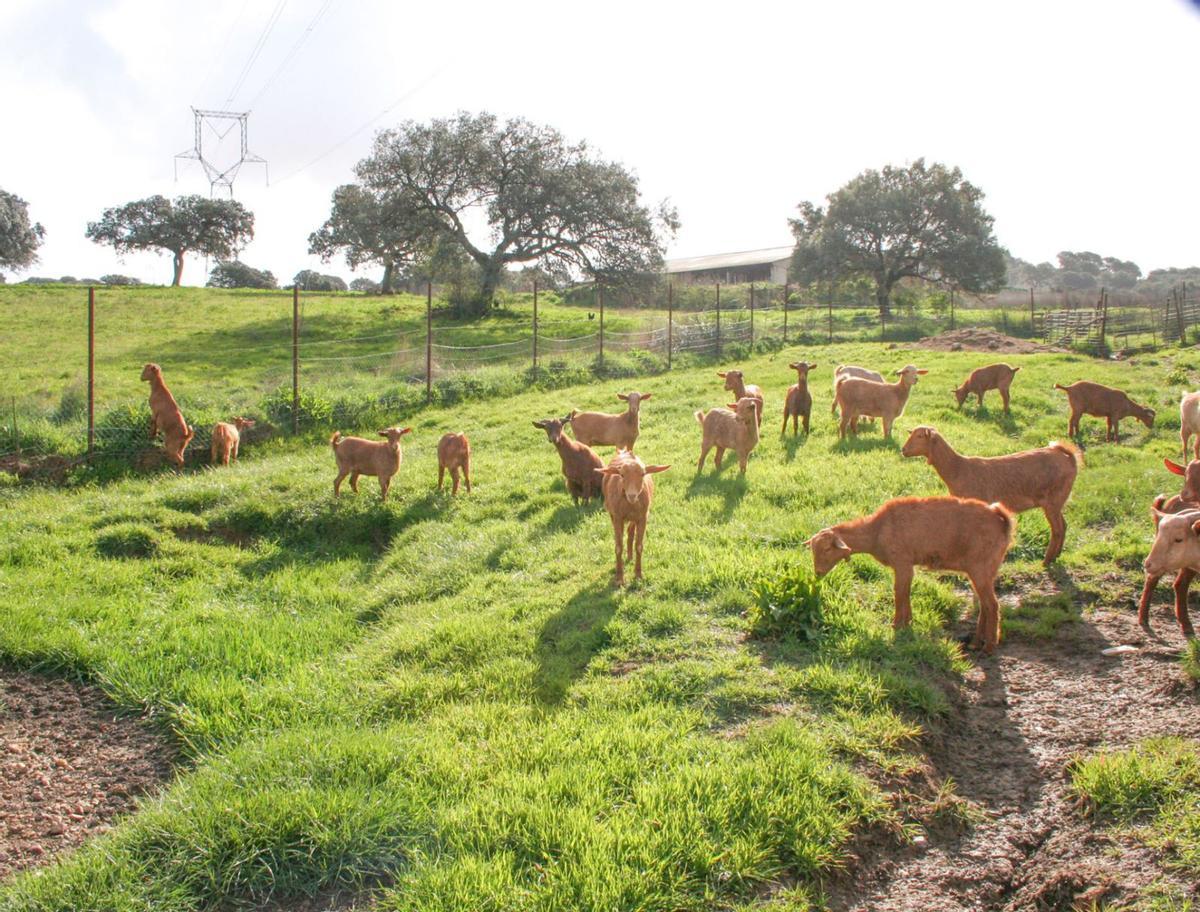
x=191 y=432
x=700 y=416
x=335 y=439
x=1059 y=386
x=1069 y=450
x=1006 y=519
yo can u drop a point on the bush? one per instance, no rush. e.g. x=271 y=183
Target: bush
x=72 y=406
x=118 y=279
x=366 y=286
x=314 y=410
x=787 y=604
x=123 y=430
x=236 y=274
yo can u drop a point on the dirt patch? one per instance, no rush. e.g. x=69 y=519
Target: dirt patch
x=69 y=764
x=977 y=339
x=52 y=468
x=1018 y=719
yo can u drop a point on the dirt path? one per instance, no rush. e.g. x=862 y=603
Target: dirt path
x=69 y=764
x=1018 y=719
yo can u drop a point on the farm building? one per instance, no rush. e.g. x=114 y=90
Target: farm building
x=767 y=265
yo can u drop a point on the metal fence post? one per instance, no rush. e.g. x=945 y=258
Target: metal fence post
x=718 y=320
x=952 y=308
x=296 y=358
x=91 y=375
x=535 y=327
x=1032 y=318
x=830 y=302
x=670 y=322
x=428 y=342
x=17 y=432
x=752 y=317
x=785 y=304
x=600 y=298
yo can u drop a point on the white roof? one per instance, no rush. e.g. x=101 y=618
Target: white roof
x=728 y=260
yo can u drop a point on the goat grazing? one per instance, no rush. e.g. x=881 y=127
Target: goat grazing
x=166 y=417
x=1087 y=398
x=227 y=438
x=735 y=430
x=942 y=533
x=993 y=377
x=798 y=403
x=454 y=453
x=1176 y=547
x=1189 y=422
x=601 y=429
x=628 y=491
x=857 y=398
x=1020 y=481
x=358 y=456
x=579 y=461
x=735 y=382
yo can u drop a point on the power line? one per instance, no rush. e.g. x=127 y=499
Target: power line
x=292 y=53
x=428 y=79
x=272 y=20
x=212 y=67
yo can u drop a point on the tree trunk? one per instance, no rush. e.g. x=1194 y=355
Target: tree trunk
x=385 y=287
x=883 y=297
x=492 y=272
x=178 y=258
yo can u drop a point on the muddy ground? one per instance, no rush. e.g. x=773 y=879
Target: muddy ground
x=1019 y=841
x=69 y=764
x=973 y=338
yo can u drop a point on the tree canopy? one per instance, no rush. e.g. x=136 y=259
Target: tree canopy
x=920 y=222
x=311 y=280
x=190 y=224
x=544 y=201
x=236 y=274
x=1076 y=271
x=19 y=237
x=369 y=228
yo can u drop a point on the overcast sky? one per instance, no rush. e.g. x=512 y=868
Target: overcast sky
x=1077 y=119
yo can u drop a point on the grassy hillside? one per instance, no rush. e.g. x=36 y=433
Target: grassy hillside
x=445 y=694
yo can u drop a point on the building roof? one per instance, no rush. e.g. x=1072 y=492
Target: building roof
x=728 y=260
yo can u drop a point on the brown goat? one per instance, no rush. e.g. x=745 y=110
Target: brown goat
x=1187 y=499
x=1087 y=398
x=734 y=428
x=358 y=456
x=620 y=430
x=859 y=398
x=1176 y=547
x=942 y=533
x=227 y=438
x=1040 y=478
x=579 y=461
x=798 y=403
x=628 y=492
x=454 y=453
x=165 y=416
x=735 y=382
x=993 y=377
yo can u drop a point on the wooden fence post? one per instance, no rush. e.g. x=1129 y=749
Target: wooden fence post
x=535 y=326
x=600 y=298
x=752 y=318
x=17 y=433
x=1032 y=318
x=718 y=321
x=428 y=342
x=295 y=358
x=951 y=308
x=829 y=300
x=670 y=321
x=91 y=376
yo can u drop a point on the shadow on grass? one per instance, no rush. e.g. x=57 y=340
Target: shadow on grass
x=1001 y=419
x=568 y=517
x=862 y=444
x=729 y=490
x=793 y=443
x=570 y=638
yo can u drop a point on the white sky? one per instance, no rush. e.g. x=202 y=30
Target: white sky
x=1077 y=119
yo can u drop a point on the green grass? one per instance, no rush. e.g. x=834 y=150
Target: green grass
x=1152 y=788
x=445 y=694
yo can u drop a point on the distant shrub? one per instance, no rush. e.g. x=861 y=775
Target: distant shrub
x=311 y=280
x=123 y=430
x=236 y=274
x=787 y=604
x=367 y=286
x=117 y=279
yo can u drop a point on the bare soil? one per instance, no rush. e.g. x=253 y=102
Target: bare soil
x=974 y=338
x=69 y=764
x=1018 y=719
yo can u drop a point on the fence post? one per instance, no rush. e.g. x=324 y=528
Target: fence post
x=751 y=317
x=296 y=358
x=830 y=302
x=600 y=303
x=670 y=321
x=785 y=303
x=91 y=375
x=718 y=321
x=1179 y=315
x=1032 y=318
x=535 y=324
x=428 y=342
x=882 y=324
x=17 y=432
x=1183 y=296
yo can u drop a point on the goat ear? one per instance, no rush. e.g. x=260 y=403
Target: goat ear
x=608 y=470
x=404 y=431
x=812 y=366
x=622 y=397
x=721 y=374
x=1174 y=467
x=651 y=469
x=922 y=371
x=644 y=396
x=732 y=406
x=540 y=424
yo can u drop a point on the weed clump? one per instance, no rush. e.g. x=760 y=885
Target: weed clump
x=787 y=605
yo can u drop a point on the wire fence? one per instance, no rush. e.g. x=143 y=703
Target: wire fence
x=303 y=373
